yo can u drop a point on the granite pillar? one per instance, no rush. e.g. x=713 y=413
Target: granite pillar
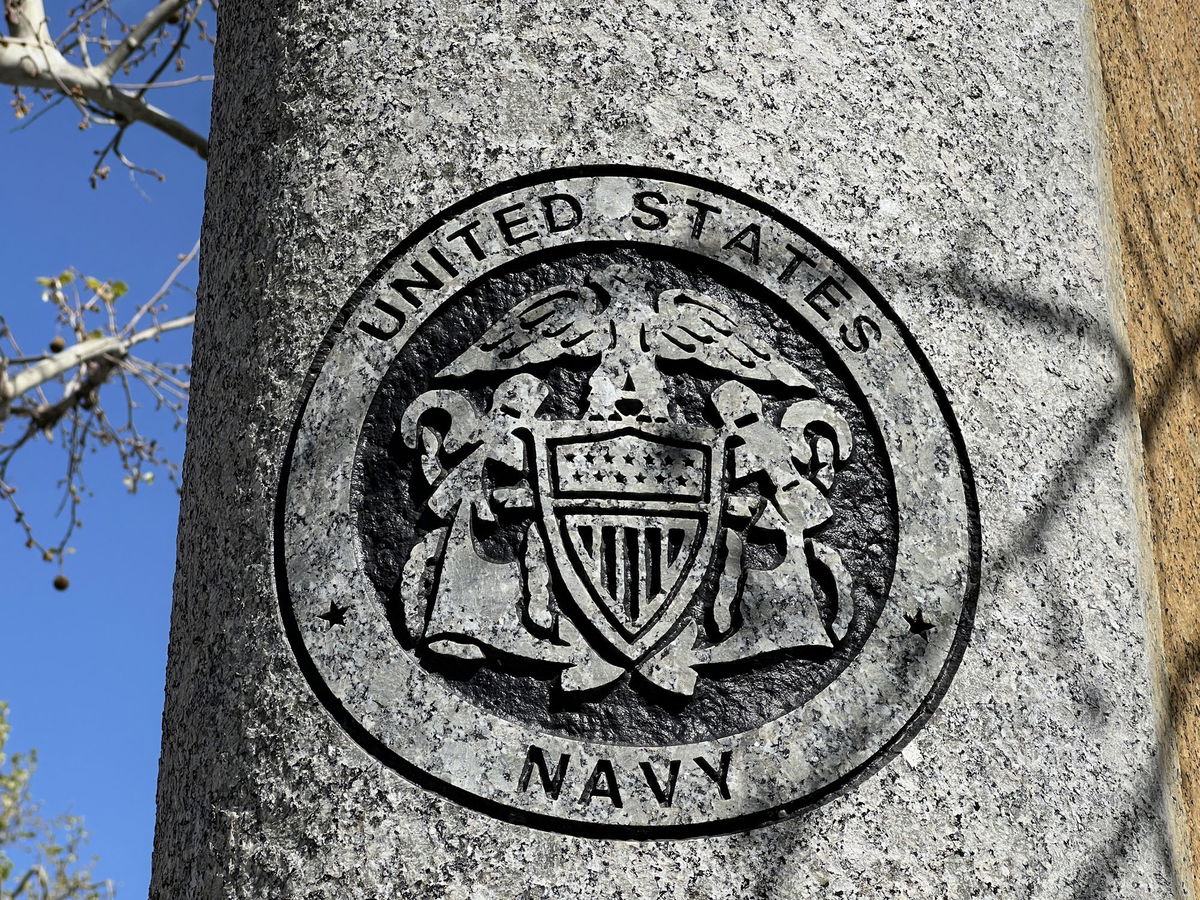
x=835 y=274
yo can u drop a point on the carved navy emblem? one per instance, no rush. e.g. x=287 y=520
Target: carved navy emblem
x=613 y=501
x=630 y=501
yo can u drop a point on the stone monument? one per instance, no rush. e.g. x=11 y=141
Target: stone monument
x=672 y=451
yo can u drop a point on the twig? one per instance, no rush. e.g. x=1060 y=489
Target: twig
x=29 y=120
x=179 y=82
x=162 y=291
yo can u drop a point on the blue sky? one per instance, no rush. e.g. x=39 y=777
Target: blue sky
x=83 y=669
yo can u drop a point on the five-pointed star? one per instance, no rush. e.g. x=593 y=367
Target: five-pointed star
x=918 y=624
x=336 y=614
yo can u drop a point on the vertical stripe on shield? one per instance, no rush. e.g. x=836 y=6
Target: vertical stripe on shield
x=626 y=561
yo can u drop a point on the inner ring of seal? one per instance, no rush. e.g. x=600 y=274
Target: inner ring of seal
x=863 y=527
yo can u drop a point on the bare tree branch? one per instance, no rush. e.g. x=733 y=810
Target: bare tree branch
x=30 y=58
x=152 y=333
x=27 y=20
x=178 y=82
x=62 y=396
x=137 y=36
x=79 y=419
x=73 y=357
x=45 y=417
x=56 y=365
x=47 y=69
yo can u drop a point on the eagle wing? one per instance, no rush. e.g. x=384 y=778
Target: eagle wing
x=560 y=321
x=697 y=327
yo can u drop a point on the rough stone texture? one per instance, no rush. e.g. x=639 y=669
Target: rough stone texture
x=947 y=149
x=1151 y=88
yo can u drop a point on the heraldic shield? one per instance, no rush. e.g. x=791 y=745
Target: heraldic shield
x=630 y=519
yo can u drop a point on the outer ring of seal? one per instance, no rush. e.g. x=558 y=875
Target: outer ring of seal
x=846 y=782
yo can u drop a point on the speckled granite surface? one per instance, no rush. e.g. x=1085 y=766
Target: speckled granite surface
x=947 y=151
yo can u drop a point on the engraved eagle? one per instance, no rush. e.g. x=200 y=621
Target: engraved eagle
x=615 y=319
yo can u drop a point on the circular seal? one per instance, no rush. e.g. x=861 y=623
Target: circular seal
x=621 y=505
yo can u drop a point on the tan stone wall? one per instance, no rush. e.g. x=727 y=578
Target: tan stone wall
x=1149 y=67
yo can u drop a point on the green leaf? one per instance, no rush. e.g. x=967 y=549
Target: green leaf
x=95 y=334
x=45 y=282
x=92 y=283
x=119 y=289
x=66 y=278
